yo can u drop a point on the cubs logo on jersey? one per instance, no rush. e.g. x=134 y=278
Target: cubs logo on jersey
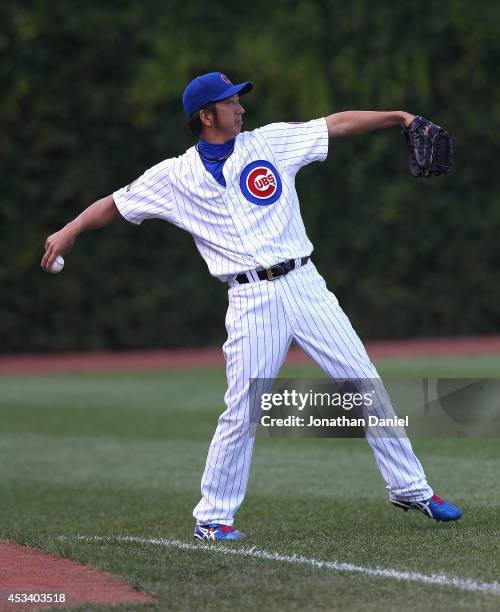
x=260 y=183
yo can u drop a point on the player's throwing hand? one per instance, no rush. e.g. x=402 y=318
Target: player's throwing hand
x=57 y=244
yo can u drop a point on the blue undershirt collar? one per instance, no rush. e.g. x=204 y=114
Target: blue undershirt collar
x=214 y=156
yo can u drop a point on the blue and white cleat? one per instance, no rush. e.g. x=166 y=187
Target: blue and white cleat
x=435 y=507
x=216 y=531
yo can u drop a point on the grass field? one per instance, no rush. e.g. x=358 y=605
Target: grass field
x=113 y=455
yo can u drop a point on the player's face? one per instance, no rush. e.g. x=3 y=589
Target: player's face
x=228 y=117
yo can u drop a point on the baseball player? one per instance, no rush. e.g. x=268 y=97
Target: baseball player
x=234 y=192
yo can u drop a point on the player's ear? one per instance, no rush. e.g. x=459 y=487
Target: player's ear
x=206 y=117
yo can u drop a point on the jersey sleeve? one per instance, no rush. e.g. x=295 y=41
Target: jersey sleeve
x=297 y=144
x=148 y=197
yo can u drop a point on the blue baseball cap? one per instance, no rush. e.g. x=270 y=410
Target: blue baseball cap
x=210 y=87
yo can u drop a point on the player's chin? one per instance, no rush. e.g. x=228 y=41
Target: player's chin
x=238 y=126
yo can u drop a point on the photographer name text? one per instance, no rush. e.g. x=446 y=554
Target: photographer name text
x=342 y=421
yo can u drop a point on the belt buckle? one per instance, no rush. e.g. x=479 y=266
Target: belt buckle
x=275 y=272
x=270 y=275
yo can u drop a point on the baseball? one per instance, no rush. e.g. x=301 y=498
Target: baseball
x=57 y=265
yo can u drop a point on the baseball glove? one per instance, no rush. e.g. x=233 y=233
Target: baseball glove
x=430 y=148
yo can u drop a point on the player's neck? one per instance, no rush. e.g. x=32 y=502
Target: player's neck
x=216 y=137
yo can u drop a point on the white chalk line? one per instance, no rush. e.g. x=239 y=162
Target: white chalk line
x=465 y=584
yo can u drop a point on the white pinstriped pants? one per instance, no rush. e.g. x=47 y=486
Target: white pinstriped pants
x=261 y=321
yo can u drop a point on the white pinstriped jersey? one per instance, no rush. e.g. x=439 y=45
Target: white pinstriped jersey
x=255 y=220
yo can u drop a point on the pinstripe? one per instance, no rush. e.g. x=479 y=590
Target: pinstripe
x=400 y=476
x=327 y=339
x=357 y=371
x=290 y=210
x=214 y=476
x=212 y=502
x=228 y=464
x=224 y=210
x=288 y=218
x=231 y=234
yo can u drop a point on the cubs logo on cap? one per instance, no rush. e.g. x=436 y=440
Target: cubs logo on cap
x=225 y=79
x=260 y=183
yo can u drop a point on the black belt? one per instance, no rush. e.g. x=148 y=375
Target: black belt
x=273 y=272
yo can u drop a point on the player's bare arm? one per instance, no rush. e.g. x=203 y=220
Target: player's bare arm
x=348 y=123
x=98 y=214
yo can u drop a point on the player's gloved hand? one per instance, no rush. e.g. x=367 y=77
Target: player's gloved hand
x=430 y=148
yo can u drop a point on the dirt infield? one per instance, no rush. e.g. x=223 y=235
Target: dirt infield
x=185 y=358
x=25 y=571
